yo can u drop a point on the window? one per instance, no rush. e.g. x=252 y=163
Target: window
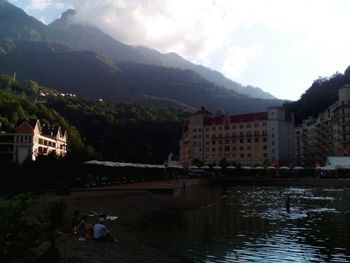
x=213 y=142
x=241 y=148
x=241 y=126
x=220 y=128
x=234 y=127
x=265 y=147
x=256 y=139
x=248 y=140
x=265 y=139
x=265 y=155
x=256 y=125
x=241 y=140
x=249 y=155
x=242 y=155
x=249 y=148
x=248 y=125
x=213 y=128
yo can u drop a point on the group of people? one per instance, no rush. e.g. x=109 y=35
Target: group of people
x=85 y=230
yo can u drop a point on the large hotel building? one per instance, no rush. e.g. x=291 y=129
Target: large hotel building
x=327 y=135
x=247 y=139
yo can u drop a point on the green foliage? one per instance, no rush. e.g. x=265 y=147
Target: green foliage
x=322 y=93
x=17 y=103
x=18 y=234
x=25 y=234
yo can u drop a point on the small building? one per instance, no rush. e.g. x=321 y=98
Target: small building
x=31 y=139
x=338 y=162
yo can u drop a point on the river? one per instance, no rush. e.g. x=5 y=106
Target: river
x=251 y=224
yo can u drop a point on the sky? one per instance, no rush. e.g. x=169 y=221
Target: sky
x=280 y=46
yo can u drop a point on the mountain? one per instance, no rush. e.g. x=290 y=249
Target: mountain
x=89 y=38
x=16 y=24
x=322 y=94
x=69 y=68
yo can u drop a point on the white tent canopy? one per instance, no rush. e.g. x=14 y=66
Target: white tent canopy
x=284 y=168
x=230 y=167
x=117 y=164
x=298 y=168
x=217 y=167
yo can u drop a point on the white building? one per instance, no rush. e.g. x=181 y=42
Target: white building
x=31 y=139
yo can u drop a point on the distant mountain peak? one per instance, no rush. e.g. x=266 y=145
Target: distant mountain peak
x=67 y=14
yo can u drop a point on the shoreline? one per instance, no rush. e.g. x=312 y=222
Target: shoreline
x=134 y=209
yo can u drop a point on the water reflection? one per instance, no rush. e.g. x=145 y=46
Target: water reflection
x=251 y=224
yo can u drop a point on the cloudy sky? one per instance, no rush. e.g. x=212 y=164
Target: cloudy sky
x=280 y=46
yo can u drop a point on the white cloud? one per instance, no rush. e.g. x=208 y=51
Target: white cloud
x=238 y=59
x=39 y=5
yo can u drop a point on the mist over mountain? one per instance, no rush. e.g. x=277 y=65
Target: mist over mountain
x=85 y=61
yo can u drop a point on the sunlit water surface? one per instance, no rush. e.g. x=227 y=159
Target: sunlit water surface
x=251 y=224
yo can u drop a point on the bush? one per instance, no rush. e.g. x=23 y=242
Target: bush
x=22 y=234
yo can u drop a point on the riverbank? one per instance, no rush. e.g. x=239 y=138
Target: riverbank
x=134 y=209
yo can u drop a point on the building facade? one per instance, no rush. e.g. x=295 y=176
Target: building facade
x=31 y=139
x=245 y=139
x=327 y=135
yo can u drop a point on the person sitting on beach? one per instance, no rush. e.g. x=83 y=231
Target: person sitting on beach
x=101 y=233
x=75 y=221
x=84 y=229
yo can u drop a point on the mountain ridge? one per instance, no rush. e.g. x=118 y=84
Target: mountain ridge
x=85 y=72
x=140 y=54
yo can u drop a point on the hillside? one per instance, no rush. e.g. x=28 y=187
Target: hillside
x=322 y=93
x=91 y=75
x=116 y=131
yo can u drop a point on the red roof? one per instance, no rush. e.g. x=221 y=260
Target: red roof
x=258 y=116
